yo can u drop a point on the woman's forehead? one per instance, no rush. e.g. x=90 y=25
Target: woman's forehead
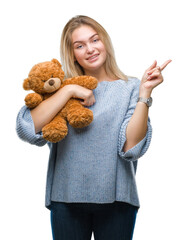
x=83 y=33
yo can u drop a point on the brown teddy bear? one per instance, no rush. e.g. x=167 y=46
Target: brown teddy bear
x=45 y=79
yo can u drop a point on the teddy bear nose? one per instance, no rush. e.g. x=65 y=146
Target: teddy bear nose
x=51 y=82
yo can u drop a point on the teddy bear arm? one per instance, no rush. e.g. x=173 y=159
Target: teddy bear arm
x=33 y=99
x=84 y=81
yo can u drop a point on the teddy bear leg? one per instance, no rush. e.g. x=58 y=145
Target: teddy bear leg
x=77 y=115
x=56 y=130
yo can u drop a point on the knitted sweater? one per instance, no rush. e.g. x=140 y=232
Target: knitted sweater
x=89 y=164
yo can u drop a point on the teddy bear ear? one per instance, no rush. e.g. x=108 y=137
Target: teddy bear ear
x=56 y=62
x=26 y=85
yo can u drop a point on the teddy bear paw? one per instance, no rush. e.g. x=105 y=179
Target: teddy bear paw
x=80 y=118
x=32 y=100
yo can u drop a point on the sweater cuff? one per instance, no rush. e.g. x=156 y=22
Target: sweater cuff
x=25 y=128
x=139 y=149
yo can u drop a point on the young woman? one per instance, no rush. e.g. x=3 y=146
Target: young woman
x=91 y=183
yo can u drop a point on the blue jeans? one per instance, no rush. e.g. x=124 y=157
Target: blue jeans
x=77 y=221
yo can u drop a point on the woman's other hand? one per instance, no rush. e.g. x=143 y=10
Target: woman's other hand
x=152 y=78
x=86 y=95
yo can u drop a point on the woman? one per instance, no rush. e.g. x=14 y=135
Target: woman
x=91 y=183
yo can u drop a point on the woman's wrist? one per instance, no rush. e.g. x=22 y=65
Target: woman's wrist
x=145 y=93
x=69 y=90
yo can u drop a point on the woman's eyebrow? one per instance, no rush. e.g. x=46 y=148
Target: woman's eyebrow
x=89 y=38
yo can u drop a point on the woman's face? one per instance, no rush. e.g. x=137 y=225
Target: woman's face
x=89 y=51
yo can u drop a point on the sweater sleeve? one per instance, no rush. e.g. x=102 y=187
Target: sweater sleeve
x=140 y=148
x=25 y=128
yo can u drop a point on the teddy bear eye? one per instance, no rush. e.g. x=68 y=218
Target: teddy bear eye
x=43 y=80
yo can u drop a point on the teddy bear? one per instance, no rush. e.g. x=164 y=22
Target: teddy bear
x=45 y=79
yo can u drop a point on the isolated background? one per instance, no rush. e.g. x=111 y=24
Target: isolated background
x=141 y=31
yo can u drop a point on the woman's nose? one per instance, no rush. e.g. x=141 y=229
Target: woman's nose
x=90 y=49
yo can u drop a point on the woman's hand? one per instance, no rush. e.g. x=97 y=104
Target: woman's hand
x=86 y=95
x=152 y=78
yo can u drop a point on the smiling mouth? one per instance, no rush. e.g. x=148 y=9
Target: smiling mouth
x=93 y=57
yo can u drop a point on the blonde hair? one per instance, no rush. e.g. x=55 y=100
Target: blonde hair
x=70 y=66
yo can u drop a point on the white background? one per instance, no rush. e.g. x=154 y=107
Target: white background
x=141 y=31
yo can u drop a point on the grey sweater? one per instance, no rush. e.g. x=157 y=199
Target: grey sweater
x=89 y=164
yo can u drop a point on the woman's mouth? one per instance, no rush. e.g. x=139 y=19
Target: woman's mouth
x=93 y=57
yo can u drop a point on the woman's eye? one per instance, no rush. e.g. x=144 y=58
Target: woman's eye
x=95 y=40
x=79 y=46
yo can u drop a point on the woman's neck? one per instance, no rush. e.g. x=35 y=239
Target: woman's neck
x=100 y=75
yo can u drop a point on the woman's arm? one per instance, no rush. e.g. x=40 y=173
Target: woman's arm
x=137 y=126
x=47 y=110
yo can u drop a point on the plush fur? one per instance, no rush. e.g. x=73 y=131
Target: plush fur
x=45 y=79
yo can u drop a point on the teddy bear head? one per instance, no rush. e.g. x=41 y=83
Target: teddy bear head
x=45 y=77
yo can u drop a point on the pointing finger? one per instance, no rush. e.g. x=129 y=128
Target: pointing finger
x=165 y=64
